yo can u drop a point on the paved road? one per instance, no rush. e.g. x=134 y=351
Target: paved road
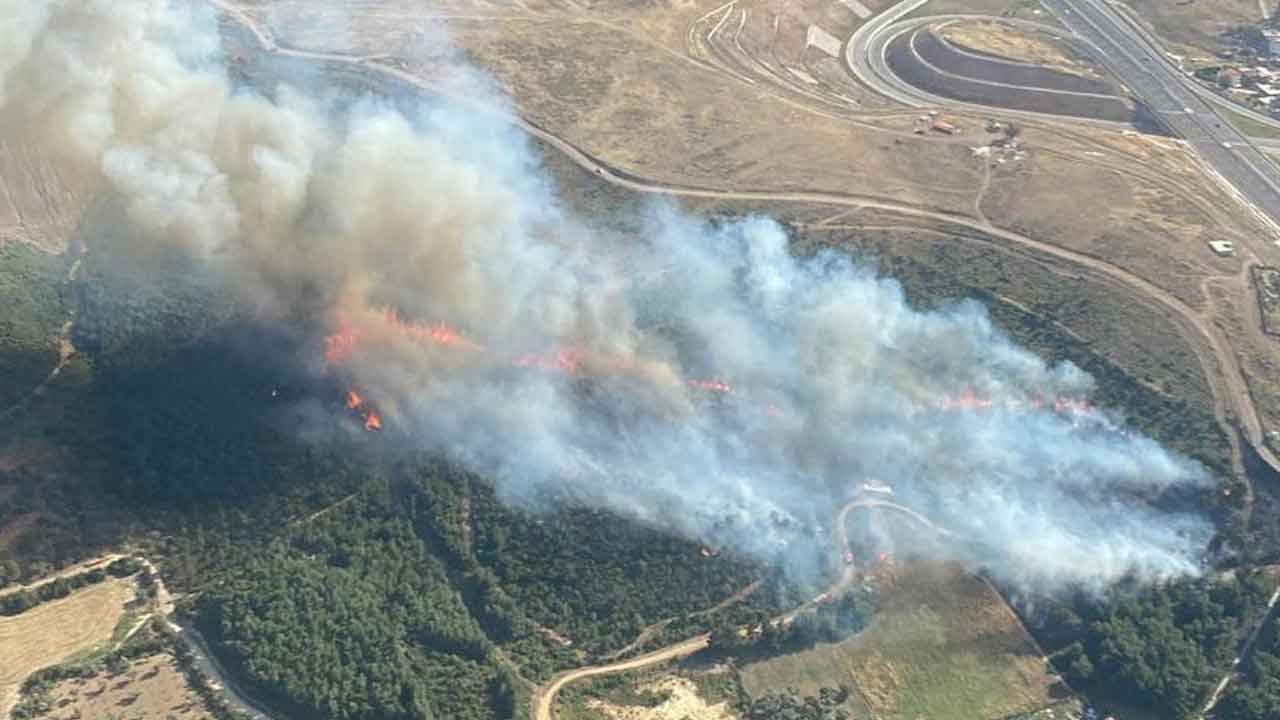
x=1133 y=58
x=1173 y=98
x=1207 y=93
x=866 y=56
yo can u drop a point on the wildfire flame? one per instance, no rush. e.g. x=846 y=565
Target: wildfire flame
x=572 y=360
x=372 y=420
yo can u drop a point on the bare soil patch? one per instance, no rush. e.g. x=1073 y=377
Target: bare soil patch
x=152 y=688
x=681 y=702
x=1012 y=43
x=40 y=202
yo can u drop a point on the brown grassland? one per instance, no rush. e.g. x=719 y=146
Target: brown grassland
x=152 y=688
x=631 y=84
x=944 y=645
x=56 y=631
x=1195 y=29
x=1012 y=43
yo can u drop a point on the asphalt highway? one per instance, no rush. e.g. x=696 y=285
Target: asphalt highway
x=1168 y=94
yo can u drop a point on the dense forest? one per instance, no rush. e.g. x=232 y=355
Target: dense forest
x=354 y=618
x=35 y=301
x=379 y=609
x=1256 y=696
x=424 y=596
x=1159 y=648
x=417 y=593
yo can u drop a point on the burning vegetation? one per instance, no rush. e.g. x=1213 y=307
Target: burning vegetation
x=387 y=324
x=356 y=403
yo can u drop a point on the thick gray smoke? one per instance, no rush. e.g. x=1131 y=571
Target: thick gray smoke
x=585 y=361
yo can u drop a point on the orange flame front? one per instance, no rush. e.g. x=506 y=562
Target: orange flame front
x=573 y=359
x=372 y=420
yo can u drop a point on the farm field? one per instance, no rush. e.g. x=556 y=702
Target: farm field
x=84 y=622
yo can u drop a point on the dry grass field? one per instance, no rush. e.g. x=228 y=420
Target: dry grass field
x=1011 y=43
x=39 y=202
x=1153 y=227
x=1195 y=29
x=56 y=631
x=1020 y=9
x=1266 y=282
x=944 y=645
x=152 y=688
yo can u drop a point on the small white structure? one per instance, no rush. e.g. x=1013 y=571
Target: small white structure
x=857 y=8
x=1273 y=42
x=871 y=487
x=823 y=40
x=1223 y=248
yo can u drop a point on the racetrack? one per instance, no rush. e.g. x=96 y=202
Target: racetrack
x=1232 y=401
x=918 y=57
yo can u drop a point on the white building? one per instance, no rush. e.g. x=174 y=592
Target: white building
x=1273 y=42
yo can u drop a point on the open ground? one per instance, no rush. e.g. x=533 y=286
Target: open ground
x=56 y=631
x=1195 y=30
x=1010 y=43
x=151 y=688
x=651 y=107
x=944 y=645
x=715 y=104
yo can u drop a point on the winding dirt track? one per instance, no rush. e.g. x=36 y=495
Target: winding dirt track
x=1233 y=405
x=544 y=697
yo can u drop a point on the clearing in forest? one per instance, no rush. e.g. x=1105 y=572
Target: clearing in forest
x=945 y=645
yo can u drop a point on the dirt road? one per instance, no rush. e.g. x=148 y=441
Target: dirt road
x=544 y=697
x=66 y=349
x=1233 y=404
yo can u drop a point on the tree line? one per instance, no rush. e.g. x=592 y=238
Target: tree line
x=20 y=601
x=1160 y=647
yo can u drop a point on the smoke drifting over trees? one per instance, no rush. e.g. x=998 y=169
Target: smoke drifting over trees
x=593 y=362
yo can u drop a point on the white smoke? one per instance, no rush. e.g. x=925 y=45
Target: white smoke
x=446 y=216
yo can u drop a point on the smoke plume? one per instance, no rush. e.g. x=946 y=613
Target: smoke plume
x=694 y=374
